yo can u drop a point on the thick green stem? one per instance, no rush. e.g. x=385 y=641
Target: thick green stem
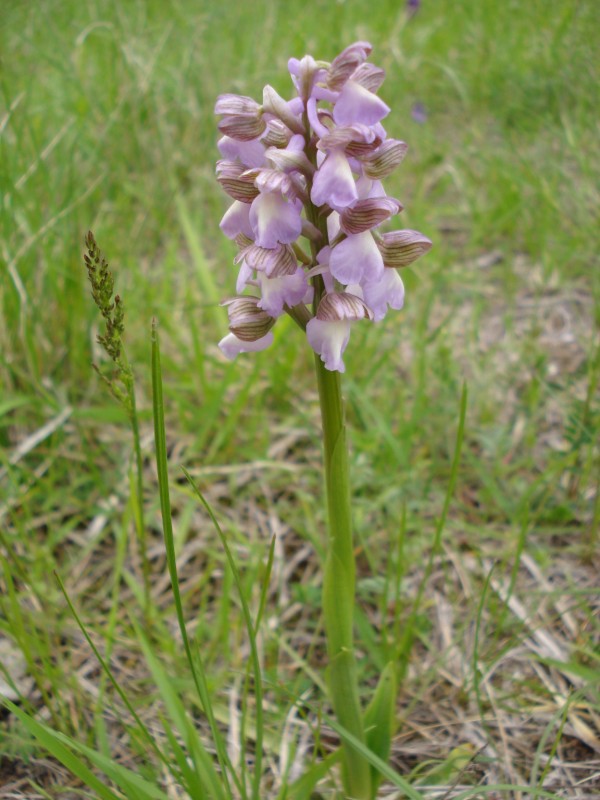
x=339 y=583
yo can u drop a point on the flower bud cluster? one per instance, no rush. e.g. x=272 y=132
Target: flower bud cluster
x=311 y=169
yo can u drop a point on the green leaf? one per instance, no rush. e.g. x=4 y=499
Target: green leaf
x=303 y=787
x=208 y=780
x=386 y=771
x=50 y=740
x=380 y=720
x=258 y=689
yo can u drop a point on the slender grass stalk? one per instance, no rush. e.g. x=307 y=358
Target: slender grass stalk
x=252 y=629
x=140 y=525
x=196 y=665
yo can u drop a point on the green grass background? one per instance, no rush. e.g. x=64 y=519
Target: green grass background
x=106 y=124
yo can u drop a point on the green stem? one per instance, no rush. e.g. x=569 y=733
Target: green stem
x=139 y=490
x=339 y=583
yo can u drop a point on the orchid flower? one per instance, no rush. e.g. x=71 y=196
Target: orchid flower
x=310 y=168
x=310 y=219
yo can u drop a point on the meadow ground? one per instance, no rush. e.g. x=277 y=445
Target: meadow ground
x=106 y=124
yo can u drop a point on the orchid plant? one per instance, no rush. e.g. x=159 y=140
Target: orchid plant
x=307 y=215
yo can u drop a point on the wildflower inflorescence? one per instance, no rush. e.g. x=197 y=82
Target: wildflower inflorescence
x=311 y=168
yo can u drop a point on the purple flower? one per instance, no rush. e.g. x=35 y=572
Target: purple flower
x=329 y=331
x=231 y=346
x=387 y=292
x=251 y=154
x=419 y=113
x=356 y=259
x=237 y=220
x=334 y=183
x=287 y=290
x=357 y=104
x=309 y=207
x=274 y=220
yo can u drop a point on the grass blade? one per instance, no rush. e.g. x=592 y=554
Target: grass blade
x=50 y=741
x=405 y=642
x=183 y=724
x=251 y=634
x=197 y=670
x=142 y=728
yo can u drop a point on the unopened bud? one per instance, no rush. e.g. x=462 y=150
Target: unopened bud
x=273 y=103
x=236 y=104
x=241 y=127
x=338 y=306
x=231 y=175
x=273 y=261
x=246 y=320
x=384 y=161
x=277 y=134
x=344 y=65
x=369 y=76
x=401 y=248
x=367 y=214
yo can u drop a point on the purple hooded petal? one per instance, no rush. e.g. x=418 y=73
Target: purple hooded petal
x=388 y=291
x=329 y=340
x=356 y=259
x=236 y=220
x=276 y=292
x=357 y=104
x=231 y=346
x=273 y=220
x=334 y=183
x=251 y=154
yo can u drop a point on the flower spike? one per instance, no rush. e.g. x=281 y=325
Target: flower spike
x=311 y=166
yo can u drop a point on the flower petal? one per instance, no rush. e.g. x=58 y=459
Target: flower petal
x=401 y=248
x=247 y=320
x=273 y=261
x=368 y=213
x=273 y=220
x=356 y=259
x=231 y=346
x=242 y=127
x=236 y=220
x=329 y=340
x=276 y=292
x=337 y=306
x=346 y=63
x=273 y=103
x=383 y=162
x=251 y=154
x=388 y=291
x=244 y=275
x=334 y=183
x=229 y=104
x=357 y=104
